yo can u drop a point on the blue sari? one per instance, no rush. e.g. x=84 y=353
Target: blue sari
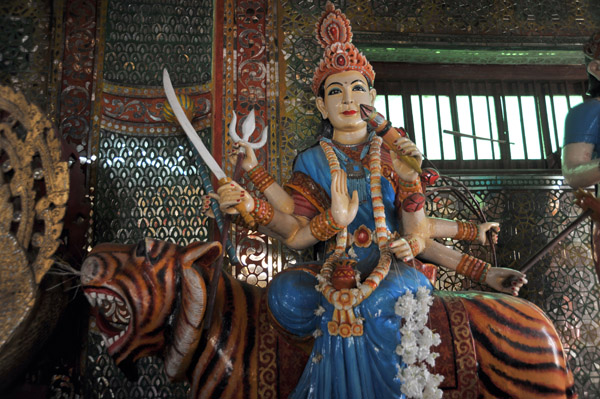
x=357 y=367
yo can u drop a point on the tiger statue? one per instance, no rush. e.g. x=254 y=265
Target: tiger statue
x=150 y=299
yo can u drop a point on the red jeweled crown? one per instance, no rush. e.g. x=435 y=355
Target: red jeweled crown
x=335 y=35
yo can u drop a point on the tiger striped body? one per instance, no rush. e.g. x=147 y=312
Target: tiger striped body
x=518 y=350
x=502 y=347
x=150 y=299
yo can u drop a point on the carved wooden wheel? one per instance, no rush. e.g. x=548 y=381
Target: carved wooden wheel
x=34 y=188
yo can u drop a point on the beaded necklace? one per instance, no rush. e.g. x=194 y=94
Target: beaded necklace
x=344 y=321
x=352 y=156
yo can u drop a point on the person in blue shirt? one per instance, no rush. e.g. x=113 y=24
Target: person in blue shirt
x=581 y=145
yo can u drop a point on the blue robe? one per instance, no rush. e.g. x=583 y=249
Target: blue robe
x=360 y=367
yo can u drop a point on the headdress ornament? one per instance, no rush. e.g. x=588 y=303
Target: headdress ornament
x=335 y=36
x=592 y=48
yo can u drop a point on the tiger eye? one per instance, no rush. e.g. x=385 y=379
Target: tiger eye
x=140 y=249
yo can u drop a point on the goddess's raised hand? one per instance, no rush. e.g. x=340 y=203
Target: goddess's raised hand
x=343 y=208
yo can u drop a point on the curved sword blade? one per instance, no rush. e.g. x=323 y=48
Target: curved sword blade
x=189 y=129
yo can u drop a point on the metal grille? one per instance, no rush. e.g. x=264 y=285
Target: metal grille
x=25 y=49
x=532 y=210
x=103 y=379
x=517 y=124
x=148 y=187
x=144 y=36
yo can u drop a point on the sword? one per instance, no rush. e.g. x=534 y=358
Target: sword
x=198 y=144
x=189 y=129
x=217 y=171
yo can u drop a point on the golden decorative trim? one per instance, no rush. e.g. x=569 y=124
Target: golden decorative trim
x=152 y=92
x=34 y=188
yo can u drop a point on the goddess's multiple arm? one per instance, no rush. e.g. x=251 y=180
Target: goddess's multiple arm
x=276 y=218
x=419 y=231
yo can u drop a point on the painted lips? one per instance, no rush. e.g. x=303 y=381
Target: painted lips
x=349 y=113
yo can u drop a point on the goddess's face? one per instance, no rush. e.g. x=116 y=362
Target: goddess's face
x=344 y=92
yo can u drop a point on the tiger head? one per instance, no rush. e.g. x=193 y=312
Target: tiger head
x=138 y=292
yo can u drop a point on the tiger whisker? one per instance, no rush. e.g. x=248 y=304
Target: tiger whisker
x=73 y=287
x=61 y=283
x=59 y=273
x=65 y=267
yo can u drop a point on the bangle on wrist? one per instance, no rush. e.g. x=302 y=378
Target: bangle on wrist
x=323 y=226
x=261 y=179
x=473 y=268
x=467 y=231
x=406 y=188
x=263 y=212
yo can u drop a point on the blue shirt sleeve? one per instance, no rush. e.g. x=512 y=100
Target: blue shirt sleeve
x=582 y=124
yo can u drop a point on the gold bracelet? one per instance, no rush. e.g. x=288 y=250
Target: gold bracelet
x=261 y=179
x=263 y=212
x=323 y=226
x=473 y=268
x=467 y=231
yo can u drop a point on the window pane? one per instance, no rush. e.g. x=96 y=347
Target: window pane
x=494 y=126
x=531 y=126
x=396 y=111
x=465 y=125
x=526 y=135
x=432 y=132
x=380 y=106
x=484 y=127
x=416 y=110
x=557 y=108
x=448 y=149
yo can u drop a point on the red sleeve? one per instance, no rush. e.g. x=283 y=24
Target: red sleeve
x=309 y=198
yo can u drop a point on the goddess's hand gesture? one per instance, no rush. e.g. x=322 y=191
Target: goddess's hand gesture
x=343 y=208
x=405 y=147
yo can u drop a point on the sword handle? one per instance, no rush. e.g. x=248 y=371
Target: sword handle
x=248 y=219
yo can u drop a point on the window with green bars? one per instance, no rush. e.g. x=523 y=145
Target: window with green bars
x=461 y=124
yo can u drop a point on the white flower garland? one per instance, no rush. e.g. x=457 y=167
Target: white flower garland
x=415 y=348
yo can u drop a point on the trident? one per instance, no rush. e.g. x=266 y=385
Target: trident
x=212 y=164
x=248 y=127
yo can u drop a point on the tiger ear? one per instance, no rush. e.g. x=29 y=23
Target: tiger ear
x=203 y=253
x=188 y=321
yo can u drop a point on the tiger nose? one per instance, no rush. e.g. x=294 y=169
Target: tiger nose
x=88 y=270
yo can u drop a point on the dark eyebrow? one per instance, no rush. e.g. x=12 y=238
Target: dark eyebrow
x=338 y=83
x=334 y=83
